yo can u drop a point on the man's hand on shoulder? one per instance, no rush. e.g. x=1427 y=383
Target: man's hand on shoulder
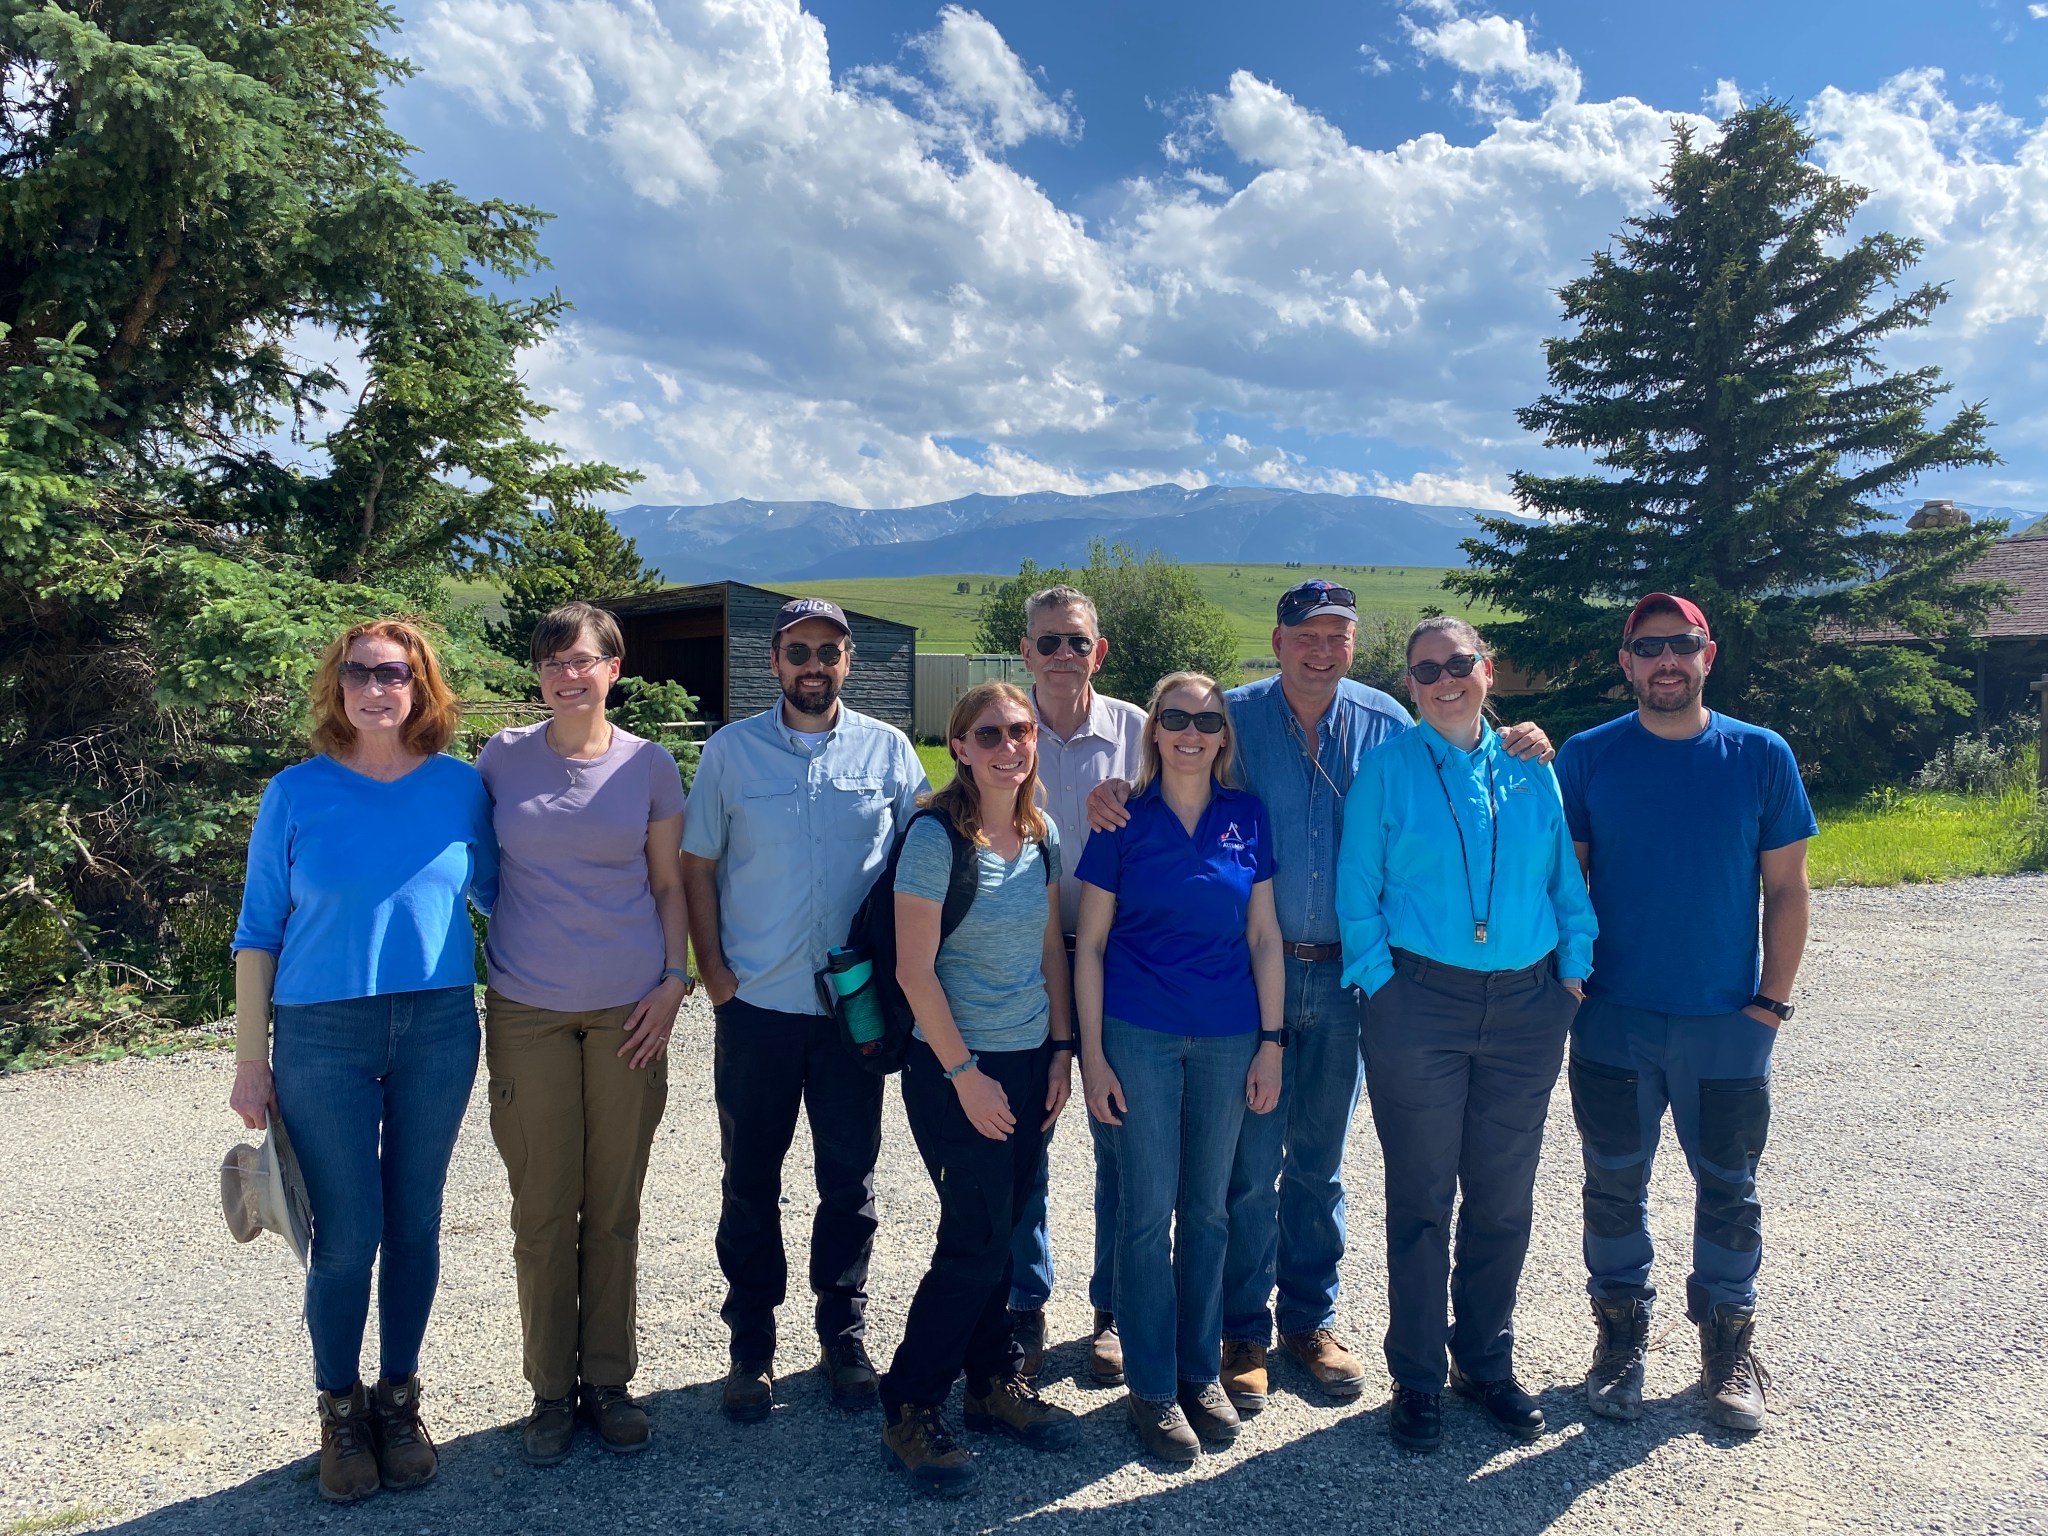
x=1106 y=805
x=1528 y=742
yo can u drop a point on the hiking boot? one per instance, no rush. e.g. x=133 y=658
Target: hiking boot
x=1208 y=1411
x=1029 y=1330
x=1614 y=1386
x=348 y=1461
x=1513 y=1409
x=1417 y=1422
x=1244 y=1374
x=1335 y=1369
x=1731 y=1379
x=1163 y=1428
x=920 y=1443
x=405 y=1454
x=850 y=1375
x=550 y=1431
x=749 y=1391
x=621 y=1423
x=1106 y=1351
x=1014 y=1408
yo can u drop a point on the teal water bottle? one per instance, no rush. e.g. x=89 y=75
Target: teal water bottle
x=853 y=976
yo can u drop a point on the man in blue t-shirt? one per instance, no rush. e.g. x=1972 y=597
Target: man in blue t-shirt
x=1680 y=815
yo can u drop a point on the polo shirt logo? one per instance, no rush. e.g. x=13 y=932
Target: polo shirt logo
x=1232 y=838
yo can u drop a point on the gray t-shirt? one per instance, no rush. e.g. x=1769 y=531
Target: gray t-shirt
x=575 y=927
x=990 y=966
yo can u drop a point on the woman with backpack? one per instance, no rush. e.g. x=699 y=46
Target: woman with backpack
x=986 y=1077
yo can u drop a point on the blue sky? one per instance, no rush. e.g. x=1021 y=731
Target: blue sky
x=885 y=253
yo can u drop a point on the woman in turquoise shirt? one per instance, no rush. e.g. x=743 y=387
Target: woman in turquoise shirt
x=1466 y=922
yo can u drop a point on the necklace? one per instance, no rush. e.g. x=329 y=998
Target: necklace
x=576 y=766
x=1464 y=859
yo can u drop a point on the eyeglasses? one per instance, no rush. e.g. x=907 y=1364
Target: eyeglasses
x=386 y=674
x=989 y=737
x=1648 y=646
x=571 y=666
x=1049 y=645
x=1460 y=665
x=1297 y=604
x=1208 y=722
x=796 y=653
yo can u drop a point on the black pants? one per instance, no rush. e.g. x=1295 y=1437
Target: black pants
x=1460 y=1065
x=765 y=1065
x=960 y=1317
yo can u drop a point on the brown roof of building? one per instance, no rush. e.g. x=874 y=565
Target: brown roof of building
x=2022 y=564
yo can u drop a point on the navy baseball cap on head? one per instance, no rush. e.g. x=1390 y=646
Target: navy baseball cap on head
x=796 y=610
x=1311 y=599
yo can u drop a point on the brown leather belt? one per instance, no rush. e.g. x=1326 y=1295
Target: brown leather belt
x=1313 y=951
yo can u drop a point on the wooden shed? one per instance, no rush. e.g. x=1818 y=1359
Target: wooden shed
x=714 y=639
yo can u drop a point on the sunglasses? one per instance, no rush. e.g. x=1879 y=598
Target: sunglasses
x=1460 y=665
x=1648 y=646
x=796 y=653
x=989 y=737
x=386 y=674
x=1295 y=606
x=1208 y=722
x=1049 y=645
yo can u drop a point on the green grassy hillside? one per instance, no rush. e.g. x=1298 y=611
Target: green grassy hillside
x=945 y=617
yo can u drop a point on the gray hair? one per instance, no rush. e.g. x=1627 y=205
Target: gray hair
x=1460 y=631
x=1061 y=597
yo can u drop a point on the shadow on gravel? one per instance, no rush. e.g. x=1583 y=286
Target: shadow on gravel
x=813 y=1468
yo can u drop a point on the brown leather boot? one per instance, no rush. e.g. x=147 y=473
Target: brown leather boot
x=549 y=1432
x=1335 y=1369
x=850 y=1375
x=1014 y=1408
x=348 y=1462
x=1244 y=1374
x=405 y=1455
x=1029 y=1330
x=1106 y=1351
x=1163 y=1429
x=1614 y=1385
x=1731 y=1380
x=620 y=1422
x=920 y=1443
x=749 y=1391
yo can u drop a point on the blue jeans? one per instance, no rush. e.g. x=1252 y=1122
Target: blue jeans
x=1184 y=1097
x=1031 y=1266
x=1287 y=1184
x=373 y=1090
x=1714 y=1071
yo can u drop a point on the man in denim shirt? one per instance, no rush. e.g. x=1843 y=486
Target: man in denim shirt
x=790 y=818
x=1301 y=735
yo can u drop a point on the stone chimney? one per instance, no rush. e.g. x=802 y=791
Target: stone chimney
x=1939 y=514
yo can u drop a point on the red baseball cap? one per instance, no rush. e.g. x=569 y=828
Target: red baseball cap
x=1684 y=607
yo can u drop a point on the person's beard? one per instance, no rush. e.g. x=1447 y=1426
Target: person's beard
x=1670 y=704
x=818 y=701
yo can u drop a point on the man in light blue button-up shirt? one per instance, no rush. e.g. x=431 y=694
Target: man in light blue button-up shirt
x=791 y=816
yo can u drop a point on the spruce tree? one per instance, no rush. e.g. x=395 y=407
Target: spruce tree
x=1724 y=373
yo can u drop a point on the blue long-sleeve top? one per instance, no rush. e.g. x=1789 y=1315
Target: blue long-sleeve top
x=1399 y=881
x=361 y=888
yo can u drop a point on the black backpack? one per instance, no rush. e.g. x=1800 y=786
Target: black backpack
x=872 y=934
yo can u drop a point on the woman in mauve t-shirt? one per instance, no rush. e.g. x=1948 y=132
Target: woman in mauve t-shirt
x=587 y=969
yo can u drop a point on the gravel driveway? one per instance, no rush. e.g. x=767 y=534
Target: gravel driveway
x=156 y=1377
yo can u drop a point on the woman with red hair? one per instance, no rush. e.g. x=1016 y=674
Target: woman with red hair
x=355 y=937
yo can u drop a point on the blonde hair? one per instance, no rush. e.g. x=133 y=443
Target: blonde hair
x=1223 y=768
x=435 y=715
x=961 y=799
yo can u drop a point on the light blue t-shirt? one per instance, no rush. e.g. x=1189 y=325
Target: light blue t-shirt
x=991 y=965
x=362 y=888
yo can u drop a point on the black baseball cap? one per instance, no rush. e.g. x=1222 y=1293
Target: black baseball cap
x=1311 y=599
x=797 y=609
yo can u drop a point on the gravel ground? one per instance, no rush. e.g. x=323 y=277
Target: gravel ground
x=156 y=1377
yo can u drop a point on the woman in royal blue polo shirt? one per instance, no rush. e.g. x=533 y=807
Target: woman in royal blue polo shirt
x=1465 y=920
x=1178 y=985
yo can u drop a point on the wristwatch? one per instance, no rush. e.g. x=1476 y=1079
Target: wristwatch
x=1772 y=1005
x=689 y=982
x=1273 y=1037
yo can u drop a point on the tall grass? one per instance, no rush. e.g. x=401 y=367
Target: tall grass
x=1964 y=816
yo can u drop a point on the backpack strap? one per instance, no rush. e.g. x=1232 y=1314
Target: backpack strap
x=965 y=878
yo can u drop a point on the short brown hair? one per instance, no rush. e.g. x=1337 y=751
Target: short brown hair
x=436 y=713
x=559 y=628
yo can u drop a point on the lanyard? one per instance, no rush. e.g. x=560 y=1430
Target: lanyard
x=1464 y=859
x=1314 y=756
